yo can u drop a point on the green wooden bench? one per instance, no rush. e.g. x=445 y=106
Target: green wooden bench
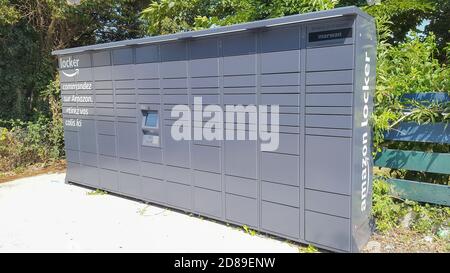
x=419 y=161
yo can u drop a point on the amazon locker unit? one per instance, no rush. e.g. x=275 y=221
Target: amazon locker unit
x=318 y=68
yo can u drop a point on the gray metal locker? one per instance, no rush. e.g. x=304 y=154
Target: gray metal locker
x=319 y=68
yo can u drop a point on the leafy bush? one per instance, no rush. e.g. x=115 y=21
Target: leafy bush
x=23 y=143
x=389 y=210
x=409 y=67
x=430 y=218
x=27 y=143
x=386 y=210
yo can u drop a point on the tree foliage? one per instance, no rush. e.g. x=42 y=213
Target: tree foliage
x=8 y=14
x=61 y=25
x=170 y=16
x=407 y=15
x=440 y=26
x=31 y=29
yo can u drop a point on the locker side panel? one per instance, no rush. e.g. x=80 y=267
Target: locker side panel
x=365 y=54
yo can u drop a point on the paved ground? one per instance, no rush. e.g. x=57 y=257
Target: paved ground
x=43 y=214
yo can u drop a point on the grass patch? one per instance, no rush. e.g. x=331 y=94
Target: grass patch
x=308 y=249
x=142 y=210
x=249 y=230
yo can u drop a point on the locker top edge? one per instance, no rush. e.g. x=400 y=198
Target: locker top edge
x=292 y=19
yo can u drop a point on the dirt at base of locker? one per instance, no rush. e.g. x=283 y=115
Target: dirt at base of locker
x=33 y=170
x=402 y=240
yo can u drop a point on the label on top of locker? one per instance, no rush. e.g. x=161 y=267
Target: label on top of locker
x=337 y=31
x=330 y=34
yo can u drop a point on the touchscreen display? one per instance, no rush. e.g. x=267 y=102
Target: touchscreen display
x=151 y=119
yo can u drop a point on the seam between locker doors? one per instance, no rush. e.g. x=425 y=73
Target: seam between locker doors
x=191 y=143
x=302 y=135
x=162 y=126
x=220 y=69
x=94 y=94
x=116 y=122
x=258 y=53
x=138 y=123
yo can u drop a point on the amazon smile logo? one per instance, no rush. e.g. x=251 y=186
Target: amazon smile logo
x=69 y=63
x=77 y=71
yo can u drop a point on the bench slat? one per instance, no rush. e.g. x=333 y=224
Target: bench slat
x=436 y=97
x=411 y=131
x=414 y=161
x=422 y=192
